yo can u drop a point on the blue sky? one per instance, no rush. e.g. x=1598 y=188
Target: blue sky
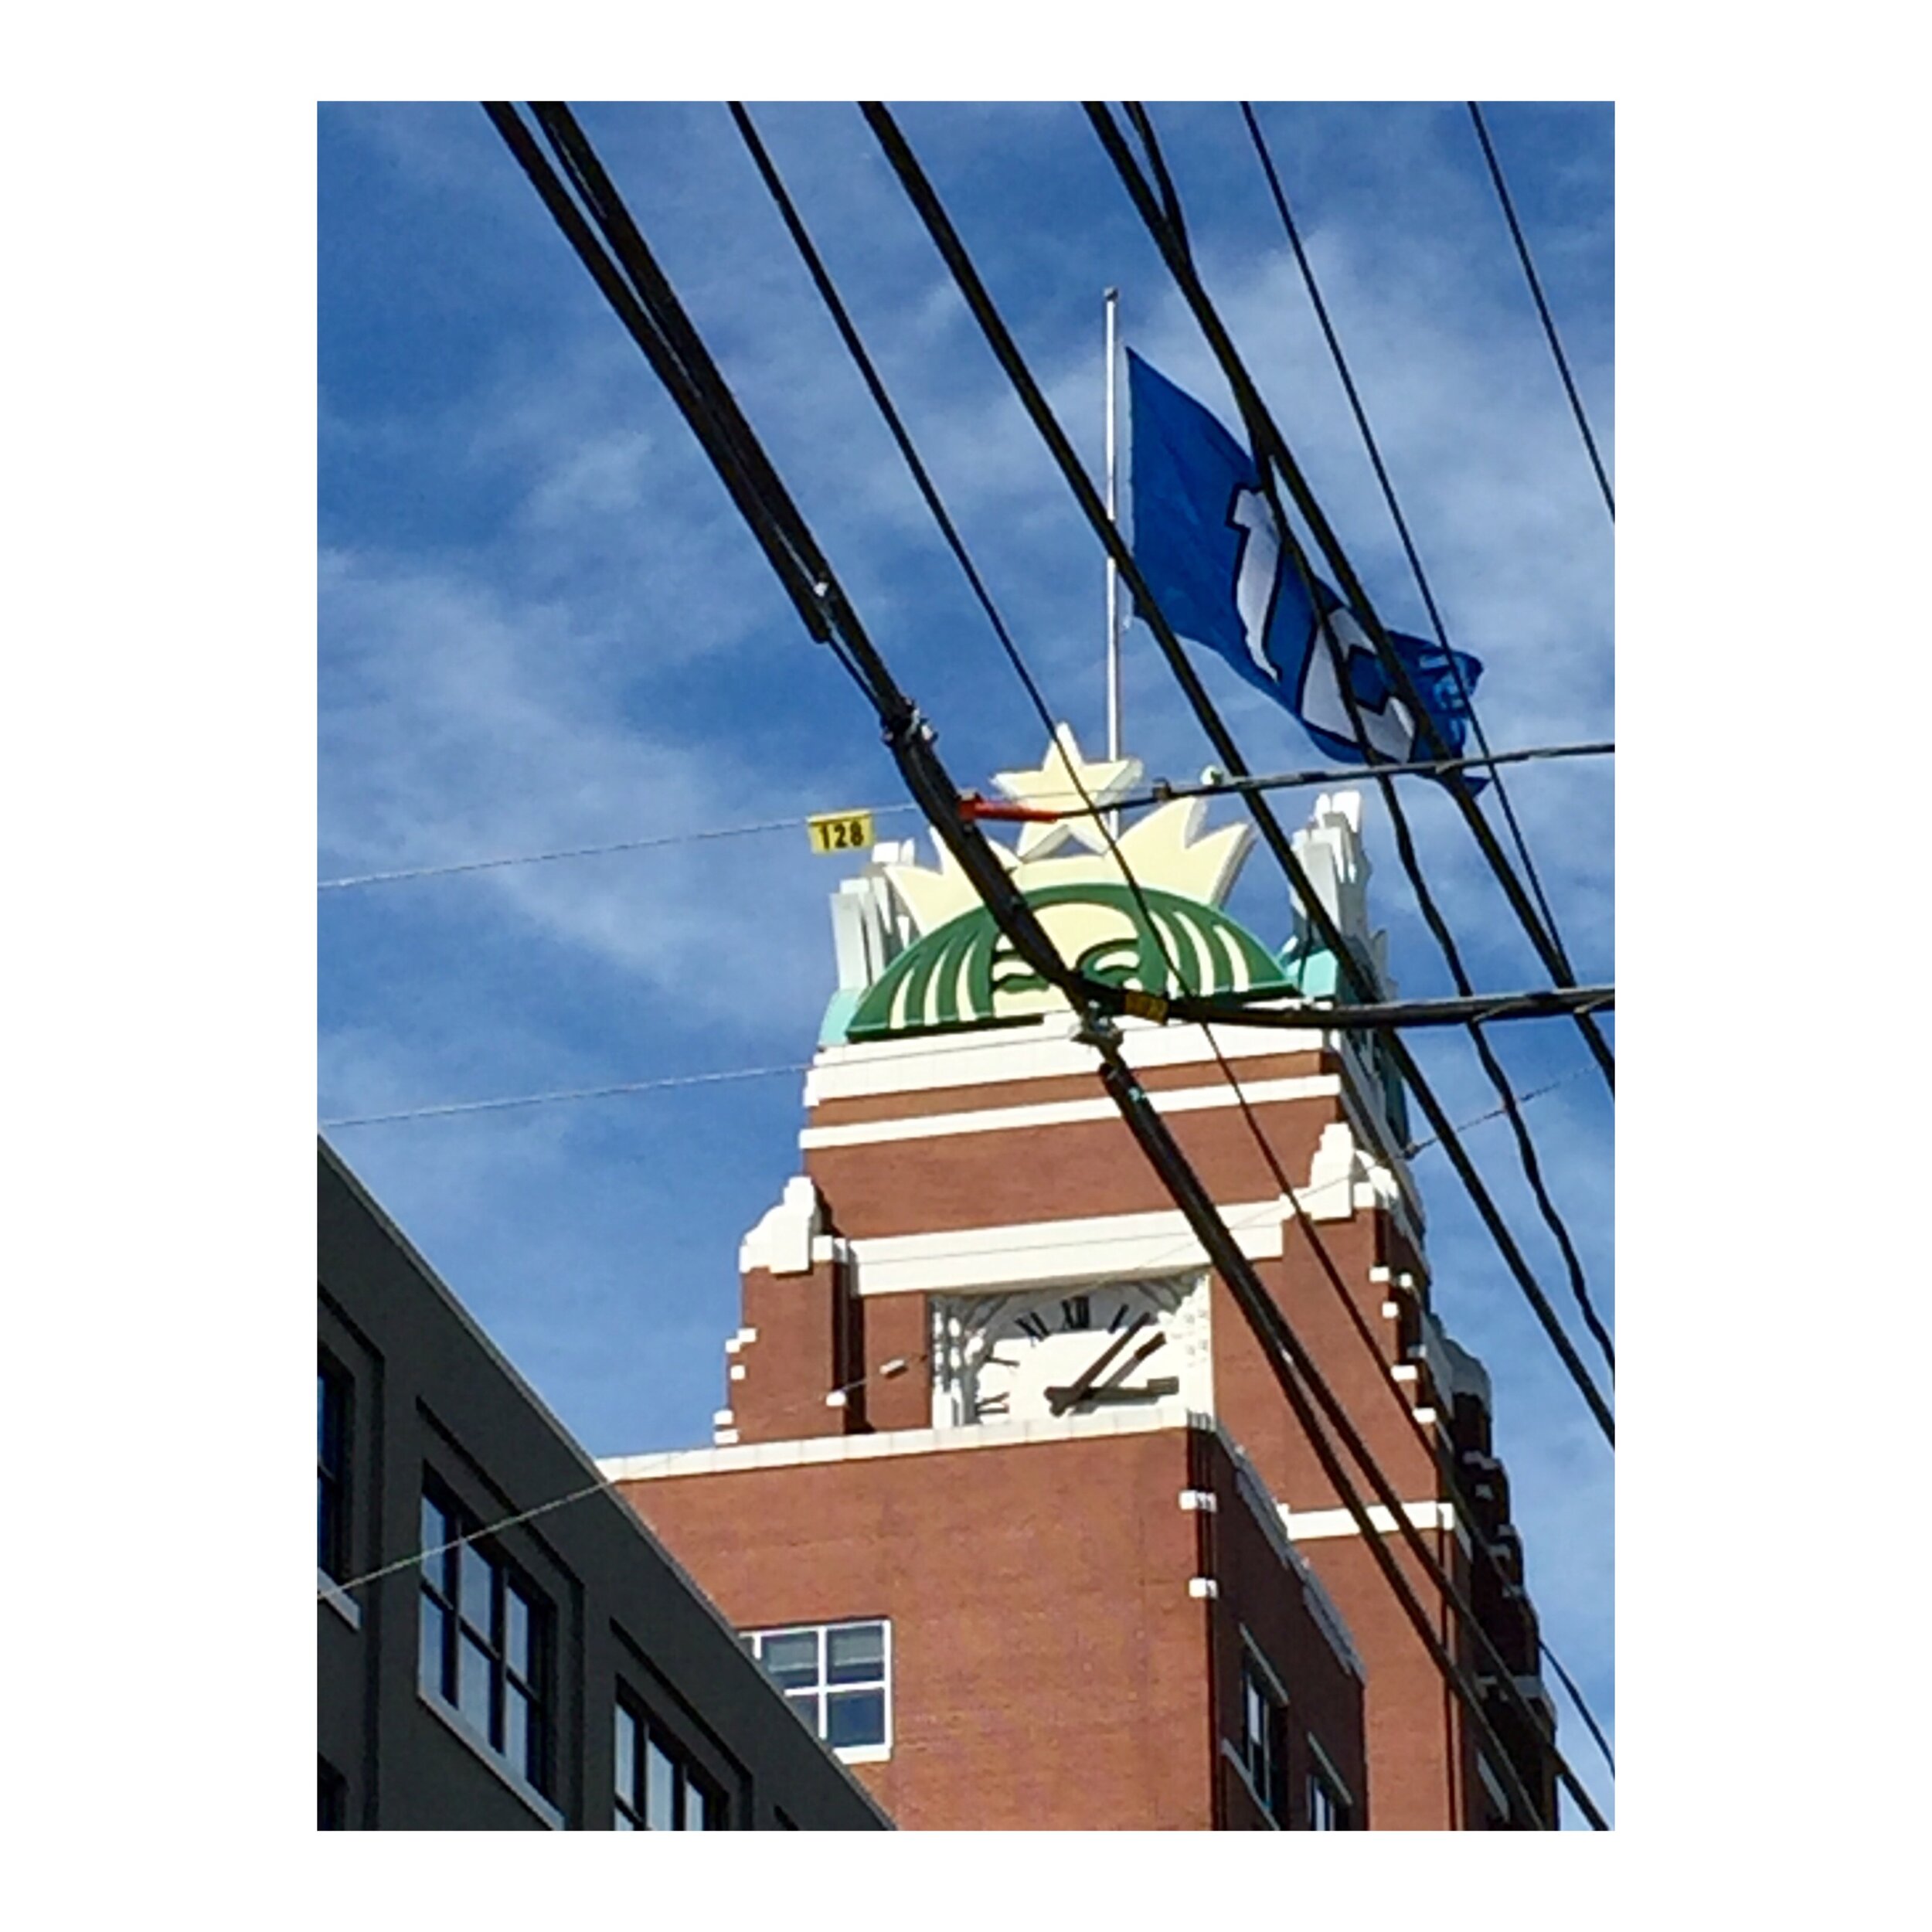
x=541 y=625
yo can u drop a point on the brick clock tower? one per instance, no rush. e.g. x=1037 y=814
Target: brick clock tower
x=1006 y=1497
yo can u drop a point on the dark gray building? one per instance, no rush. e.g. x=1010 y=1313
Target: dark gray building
x=501 y=1644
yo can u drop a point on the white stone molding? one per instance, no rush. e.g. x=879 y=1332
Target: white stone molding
x=782 y=1241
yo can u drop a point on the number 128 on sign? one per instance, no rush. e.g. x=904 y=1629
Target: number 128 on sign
x=840 y=831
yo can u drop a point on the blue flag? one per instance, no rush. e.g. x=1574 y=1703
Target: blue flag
x=1208 y=545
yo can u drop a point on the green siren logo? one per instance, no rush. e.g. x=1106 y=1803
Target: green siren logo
x=966 y=973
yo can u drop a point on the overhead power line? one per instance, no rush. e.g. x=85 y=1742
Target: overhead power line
x=726 y=437
x=1360 y=411
x=1274 y=460
x=584 y=851
x=1266 y=439
x=567 y=1094
x=1432 y=1441
x=1160 y=792
x=999 y=338
x=1542 y=307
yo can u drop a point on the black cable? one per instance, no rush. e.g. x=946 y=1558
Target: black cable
x=855 y=348
x=1273 y=456
x=1543 y=308
x=912 y=745
x=1174 y=246
x=939 y=225
x=1334 y=342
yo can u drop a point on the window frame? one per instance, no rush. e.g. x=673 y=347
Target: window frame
x=823 y=1688
x=460 y=1555
x=630 y=1795
x=1325 y=1781
x=1263 y=1755
x=333 y=1405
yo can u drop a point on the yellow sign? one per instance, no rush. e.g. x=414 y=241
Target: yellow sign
x=840 y=831
x=1143 y=1005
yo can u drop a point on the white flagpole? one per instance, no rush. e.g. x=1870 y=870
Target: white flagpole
x=1113 y=302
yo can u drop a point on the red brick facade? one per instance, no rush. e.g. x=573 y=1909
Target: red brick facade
x=1051 y=1667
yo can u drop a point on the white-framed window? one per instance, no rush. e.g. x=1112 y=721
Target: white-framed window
x=838 y=1677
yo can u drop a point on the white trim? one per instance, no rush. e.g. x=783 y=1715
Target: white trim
x=1202 y=1586
x=1203 y=1500
x=1045 y=1254
x=861 y=1753
x=460 y=1727
x=1044 y=1052
x=1309 y=1526
x=1004 y=1120
x=329 y=1592
x=897 y=1442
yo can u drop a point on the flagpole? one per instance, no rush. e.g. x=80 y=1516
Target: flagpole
x=1112 y=301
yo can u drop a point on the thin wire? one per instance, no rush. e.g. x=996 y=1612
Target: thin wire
x=1264 y=437
x=601 y=1486
x=575 y=1094
x=597 y=852
x=1543 y=308
x=999 y=338
x=1496 y=1113
x=1395 y=508
x=1161 y=792
x=932 y=787
x=855 y=348
x=1274 y=457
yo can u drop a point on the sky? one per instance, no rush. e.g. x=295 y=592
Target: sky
x=542 y=625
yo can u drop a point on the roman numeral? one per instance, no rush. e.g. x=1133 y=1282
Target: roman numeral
x=1119 y=1320
x=1034 y=1324
x=1076 y=1312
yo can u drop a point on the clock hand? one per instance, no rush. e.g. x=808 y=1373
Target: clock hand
x=1157 y=1340
x=1062 y=1399
x=1148 y=1392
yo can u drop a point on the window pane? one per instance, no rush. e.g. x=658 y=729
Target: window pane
x=473 y=1683
x=473 y=1599
x=661 y=1788
x=627 y=1756
x=436 y=1532
x=697 y=1806
x=791 y=1660
x=620 y=1823
x=855 y=1655
x=806 y=1704
x=516 y=1730
x=517 y=1632
x=429 y=1648
x=856 y=1717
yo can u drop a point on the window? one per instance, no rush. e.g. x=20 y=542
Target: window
x=1328 y=1809
x=1264 y=1737
x=658 y=1788
x=838 y=1677
x=331 y=1798
x=332 y=1471
x=484 y=1641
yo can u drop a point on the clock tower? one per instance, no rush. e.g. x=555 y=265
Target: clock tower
x=1005 y=1494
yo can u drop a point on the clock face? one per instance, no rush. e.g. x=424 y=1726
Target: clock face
x=1087 y=1349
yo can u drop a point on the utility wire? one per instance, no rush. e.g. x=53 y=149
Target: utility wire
x=911 y=742
x=1261 y=431
x=854 y=346
x=979 y=303
x=1274 y=458
x=1543 y=308
x=1525 y=1146
x=590 y=852
x=570 y=1094
x=1401 y=522
x=1160 y=792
